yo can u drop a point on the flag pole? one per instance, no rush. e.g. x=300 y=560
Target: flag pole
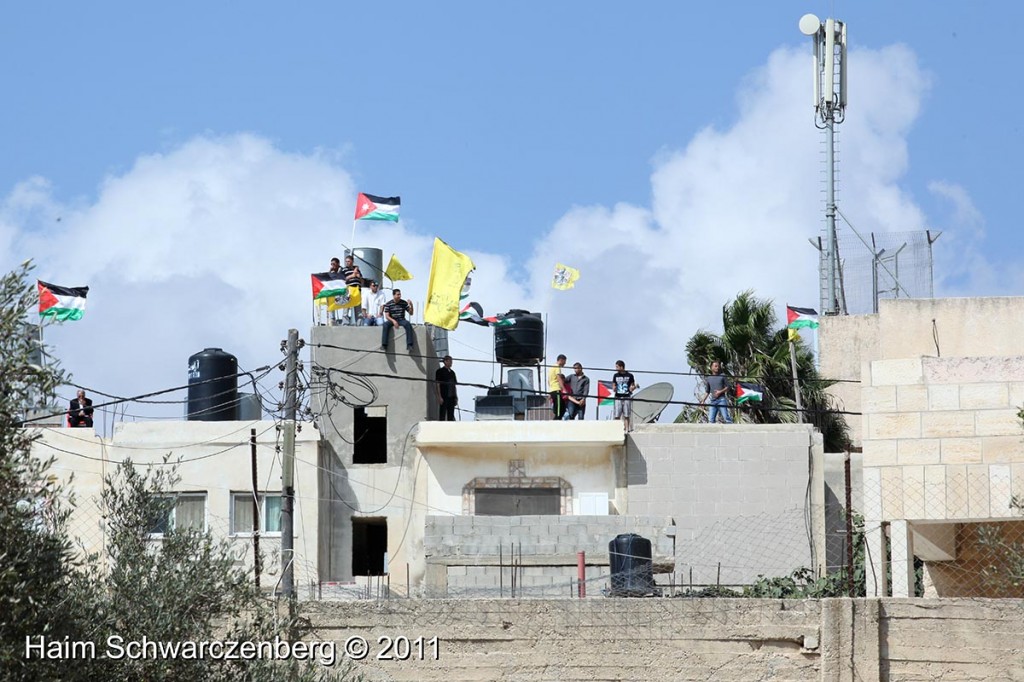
x=796 y=379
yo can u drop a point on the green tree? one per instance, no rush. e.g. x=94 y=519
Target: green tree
x=39 y=572
x=754 y=347
x=184 y=587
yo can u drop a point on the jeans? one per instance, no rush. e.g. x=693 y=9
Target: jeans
x=574 y=411
x=385 y=333
x=373 y=321
x=716 y=405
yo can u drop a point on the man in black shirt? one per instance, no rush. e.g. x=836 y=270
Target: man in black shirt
x=394 y=315
x=80 y=412
x=446 y=388
x=718 y=389
x=624 y=384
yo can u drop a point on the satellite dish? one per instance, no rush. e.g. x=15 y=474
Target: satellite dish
x=809 y=24
x=648 y=403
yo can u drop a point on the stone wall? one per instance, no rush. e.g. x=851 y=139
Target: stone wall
x=472 y=555
x=833 y=640
x=910 y=328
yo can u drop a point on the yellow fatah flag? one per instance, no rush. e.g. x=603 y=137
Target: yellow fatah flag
x=352 y=299
x=395 y=271
x=448 y=272
x=794 y=335
x=565 y=277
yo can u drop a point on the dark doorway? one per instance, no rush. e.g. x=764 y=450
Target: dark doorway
x=518 y=501
x=370 y=438
x=369 y=545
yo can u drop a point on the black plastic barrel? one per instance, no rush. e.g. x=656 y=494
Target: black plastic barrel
x=212 y=386
x=631 y=567
x=521 y=343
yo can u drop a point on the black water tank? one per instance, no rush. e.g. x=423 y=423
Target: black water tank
x=521 y=343
x=631 y=568
x=212 y=386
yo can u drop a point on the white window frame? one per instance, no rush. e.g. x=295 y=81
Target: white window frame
x=237 y=496
x=177 y=495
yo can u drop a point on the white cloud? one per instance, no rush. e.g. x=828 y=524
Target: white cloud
x=212 y=242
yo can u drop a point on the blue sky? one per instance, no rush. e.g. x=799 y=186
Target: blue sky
x=524 y=133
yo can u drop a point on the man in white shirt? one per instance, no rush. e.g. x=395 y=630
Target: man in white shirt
x=373 y=304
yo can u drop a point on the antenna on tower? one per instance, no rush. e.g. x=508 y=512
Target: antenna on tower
x=830 y=109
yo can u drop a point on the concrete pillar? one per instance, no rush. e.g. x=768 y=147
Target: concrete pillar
x=876 y=560
x=902 y=558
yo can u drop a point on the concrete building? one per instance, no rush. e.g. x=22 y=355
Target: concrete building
x=438 y=502
x=441 y=507
x=941 y=384
x=215 y=490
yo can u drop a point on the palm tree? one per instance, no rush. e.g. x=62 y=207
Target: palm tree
x=752 y=347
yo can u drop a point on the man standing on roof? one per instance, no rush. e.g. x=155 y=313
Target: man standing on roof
x=624 y=385
x=556 y=385
x=718 y=401
x=446 y=389
x=579 y=388
x=353 y=278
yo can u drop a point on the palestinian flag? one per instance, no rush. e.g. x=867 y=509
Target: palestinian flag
x=370 y=207
x=746 y=393
x=800 y=318
x=61 y=303
x=473 y=312
x=605 y=393
x=328 y=284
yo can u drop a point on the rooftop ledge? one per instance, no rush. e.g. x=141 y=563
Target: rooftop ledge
x=551 y=433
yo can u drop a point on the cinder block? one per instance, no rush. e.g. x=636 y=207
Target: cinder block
x=997 y=423
x=947 y=424
x=919 y=451
x=894 y=425
x=750 y=453
x=935 y=492
x=978 y=488
x=706 y=440
x=727 y=454
x=961 y=450
x=911 y=398
x=956 y=491
x=878 y=399
x=901 y=372
x=984 y=396
x=684 y=440
x=1000 y=490
x=1002 y=449
x=892 y=493
x=880 y=452
x=942 y=397
x=913 y=492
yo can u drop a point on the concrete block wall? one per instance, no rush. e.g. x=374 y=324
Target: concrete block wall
x=472 y=555
x=739 y=494
x=942 y=438
x=832 y=640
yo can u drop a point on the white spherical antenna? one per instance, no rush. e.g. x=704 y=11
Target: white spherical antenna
x=809 y=24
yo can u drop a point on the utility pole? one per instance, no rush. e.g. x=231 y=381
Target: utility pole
x=288 y=467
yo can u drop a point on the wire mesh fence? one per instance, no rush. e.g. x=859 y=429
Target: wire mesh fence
x=945 y=530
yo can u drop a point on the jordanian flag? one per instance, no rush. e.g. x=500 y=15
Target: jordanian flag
x=61 y=303
x=328 y=284
x=370 y=207
x=800 y=318
x=746 y=393
x=605 y=393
